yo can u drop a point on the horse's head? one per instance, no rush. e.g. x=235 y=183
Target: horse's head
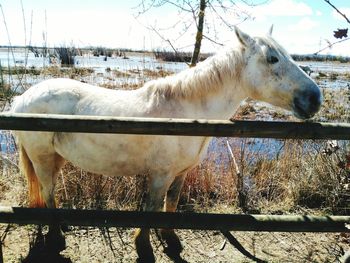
x=272 y=76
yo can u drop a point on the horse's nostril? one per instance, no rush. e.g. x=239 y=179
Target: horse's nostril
x=314 y=98
x=315 y=101
x=299 y=109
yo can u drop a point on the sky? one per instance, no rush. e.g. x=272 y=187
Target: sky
x=302 y=27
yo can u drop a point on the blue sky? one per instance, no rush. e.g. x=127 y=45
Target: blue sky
x=300 y=26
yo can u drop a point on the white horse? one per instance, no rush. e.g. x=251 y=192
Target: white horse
x=257 y=67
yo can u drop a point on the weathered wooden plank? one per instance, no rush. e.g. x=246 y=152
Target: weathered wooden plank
x=183 y=127
x=227 y=222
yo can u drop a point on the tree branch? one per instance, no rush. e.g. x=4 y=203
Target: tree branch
x=224 y=8
x=220 y=17
x=212 y=40
x=331 y=45
x=336 y=9
x=178 y=6
x=337 y=42
x=253 y=4
x=193 y=11
x=166 y=40
x=142 y=5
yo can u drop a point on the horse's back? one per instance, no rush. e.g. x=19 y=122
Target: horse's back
x=55 y=96
x=71 y=97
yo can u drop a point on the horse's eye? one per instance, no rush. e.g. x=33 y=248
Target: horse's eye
x=272 y=59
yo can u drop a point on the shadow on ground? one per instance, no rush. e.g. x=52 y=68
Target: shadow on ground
x=175 y=257
x=43 y=251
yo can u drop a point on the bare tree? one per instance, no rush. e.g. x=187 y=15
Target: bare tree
x=199 y=35
x=198 y=11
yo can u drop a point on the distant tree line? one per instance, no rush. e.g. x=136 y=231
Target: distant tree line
x=163 y=55
x=171 y=56
x=318 y=57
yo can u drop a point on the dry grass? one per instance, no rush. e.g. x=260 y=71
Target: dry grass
x=67 y=72
x=336 y=105
x=79 y=189
x=302 y=175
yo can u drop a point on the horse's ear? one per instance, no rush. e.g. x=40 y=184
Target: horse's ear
x=243 y=38
x=270 y=31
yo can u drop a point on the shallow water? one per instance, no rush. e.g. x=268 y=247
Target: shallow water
x=99 y=64
x=10 y=59
x=319 y=66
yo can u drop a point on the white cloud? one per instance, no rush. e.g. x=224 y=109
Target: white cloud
x=296 y=43
x=304 y=24
x=281 y=8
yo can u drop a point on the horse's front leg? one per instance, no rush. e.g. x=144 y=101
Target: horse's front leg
x=154 y=202
x=171 y=201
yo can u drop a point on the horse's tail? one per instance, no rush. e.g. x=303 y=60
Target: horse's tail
x=34 y=192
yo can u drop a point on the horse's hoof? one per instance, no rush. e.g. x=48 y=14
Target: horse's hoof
x=173 y=242
x=146 y=259
x=145 y=255
x=65 y=228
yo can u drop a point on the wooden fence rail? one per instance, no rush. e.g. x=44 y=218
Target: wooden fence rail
x=224 y=222
x=184 y=127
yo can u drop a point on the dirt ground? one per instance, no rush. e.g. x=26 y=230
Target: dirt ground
x=116 y=245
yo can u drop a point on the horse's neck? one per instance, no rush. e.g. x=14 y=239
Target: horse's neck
x=211 y=90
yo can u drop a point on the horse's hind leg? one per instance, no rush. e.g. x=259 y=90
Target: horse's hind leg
x=47 y=171
x=171 y=201
x=41 y=171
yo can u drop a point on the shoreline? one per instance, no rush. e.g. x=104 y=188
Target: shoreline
x=178 y=57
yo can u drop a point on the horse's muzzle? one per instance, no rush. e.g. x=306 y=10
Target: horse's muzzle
x=307 y=103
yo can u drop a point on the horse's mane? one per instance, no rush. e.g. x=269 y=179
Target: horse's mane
x=197 y=82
